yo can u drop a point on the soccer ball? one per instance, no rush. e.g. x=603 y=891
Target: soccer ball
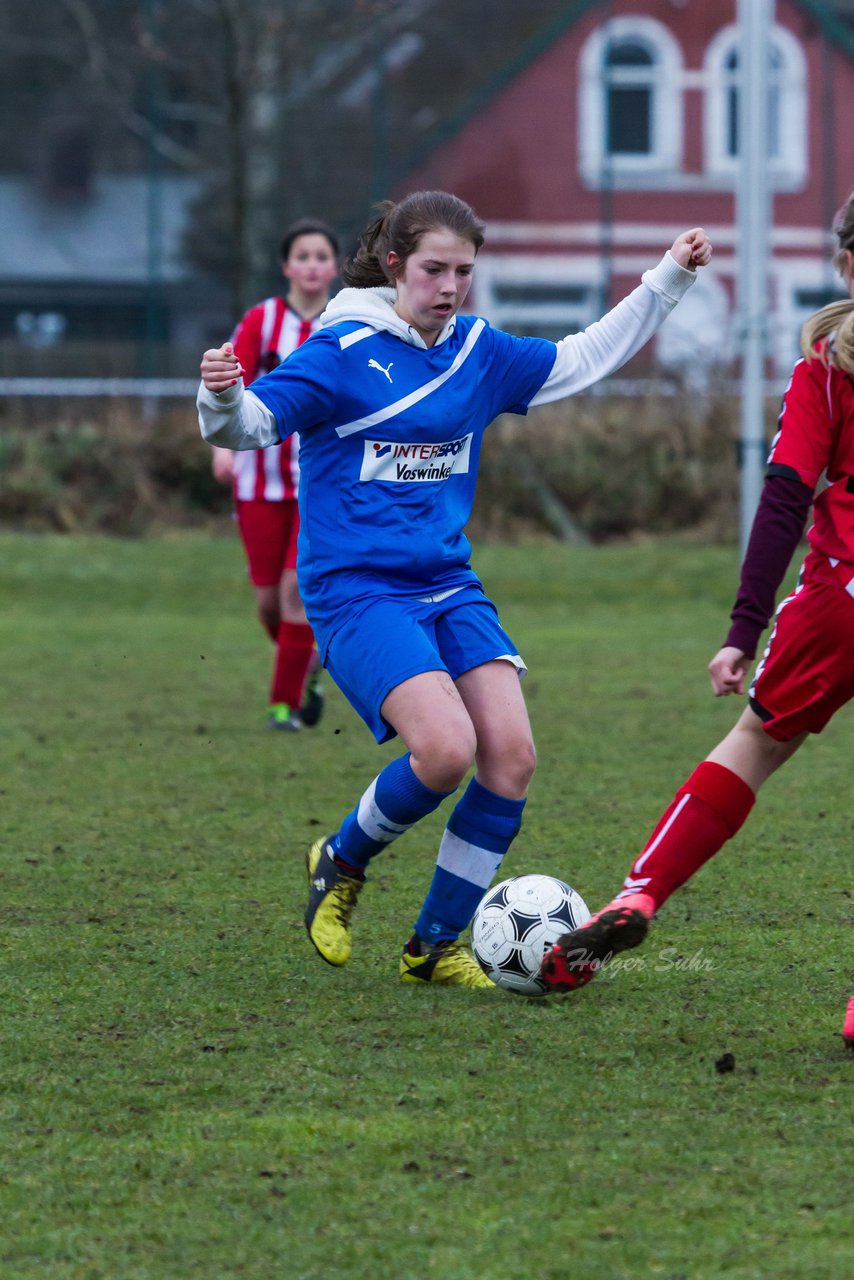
x=517 y=922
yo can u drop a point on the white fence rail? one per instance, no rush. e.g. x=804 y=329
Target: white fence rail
x=179 y=388
x=145 y=388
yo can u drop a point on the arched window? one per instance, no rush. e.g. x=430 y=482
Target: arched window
x=630 y=107
x=629 y=93
x=787 y=107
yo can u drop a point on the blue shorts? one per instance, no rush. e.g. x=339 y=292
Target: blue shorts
x=389 y=640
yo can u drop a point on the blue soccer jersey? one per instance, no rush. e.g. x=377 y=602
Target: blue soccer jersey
x=390 y=438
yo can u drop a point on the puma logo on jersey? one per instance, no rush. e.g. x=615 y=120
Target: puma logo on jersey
x=374 y=364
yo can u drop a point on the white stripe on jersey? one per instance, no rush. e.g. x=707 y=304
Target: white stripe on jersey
x=268 y=324
x=264 y=473
x=271 y=461
x=392 y=410
x=356 y=336
x=288 y=334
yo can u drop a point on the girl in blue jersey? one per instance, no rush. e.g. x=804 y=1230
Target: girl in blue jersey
x=391 y=398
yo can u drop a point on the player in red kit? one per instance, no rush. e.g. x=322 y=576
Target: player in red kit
x=807 y=671
x=266 y=481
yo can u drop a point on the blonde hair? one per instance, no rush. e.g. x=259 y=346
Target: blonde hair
x=837 y=317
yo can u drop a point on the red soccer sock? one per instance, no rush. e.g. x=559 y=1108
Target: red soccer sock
x=705 y=812
x=294 y=651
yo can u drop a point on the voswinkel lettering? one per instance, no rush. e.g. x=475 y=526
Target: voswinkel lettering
x=401 y=463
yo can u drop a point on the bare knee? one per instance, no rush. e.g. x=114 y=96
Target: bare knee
x=442 y=760
x=509 y=768
x=430 y=717
x=751 y=753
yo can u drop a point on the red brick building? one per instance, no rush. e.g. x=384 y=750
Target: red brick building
x=617 y=129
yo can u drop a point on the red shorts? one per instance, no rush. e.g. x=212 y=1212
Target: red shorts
x=269 y=532
x=807 y=671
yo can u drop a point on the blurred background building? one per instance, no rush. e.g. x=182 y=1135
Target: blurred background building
x=152 y=154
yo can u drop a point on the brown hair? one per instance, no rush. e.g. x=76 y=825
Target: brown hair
x=399 y=227
x=307 y=227
x=836 y=317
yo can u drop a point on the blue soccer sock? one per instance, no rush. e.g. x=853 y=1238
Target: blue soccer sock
x=479 y=832
x=393 y=803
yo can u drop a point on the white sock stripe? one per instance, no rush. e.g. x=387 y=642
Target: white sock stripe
x=468 y=861
x=631 y=885
x=638 y=867
x=374 y=822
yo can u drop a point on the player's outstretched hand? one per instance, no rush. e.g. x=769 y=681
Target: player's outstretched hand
x=692 y=249
x=220 y=368
x=727 y=670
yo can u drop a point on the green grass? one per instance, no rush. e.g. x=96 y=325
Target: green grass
x=187 y=1091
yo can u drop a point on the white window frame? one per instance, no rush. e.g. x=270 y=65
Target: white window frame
x=788 y=170
x=657 y=167
x=520 y=269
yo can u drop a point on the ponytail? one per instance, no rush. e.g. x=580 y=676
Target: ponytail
x=364 y=269
x=838 y=317
x=398 y=228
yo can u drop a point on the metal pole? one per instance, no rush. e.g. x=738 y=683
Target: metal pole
x=154 y=210
x=753 y=217
x=380 y=167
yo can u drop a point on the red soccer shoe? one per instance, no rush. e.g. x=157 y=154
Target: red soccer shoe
x=578 y=956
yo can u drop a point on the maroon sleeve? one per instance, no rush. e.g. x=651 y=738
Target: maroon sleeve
x=777 y=529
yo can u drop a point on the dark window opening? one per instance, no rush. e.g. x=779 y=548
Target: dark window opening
x=629 y=122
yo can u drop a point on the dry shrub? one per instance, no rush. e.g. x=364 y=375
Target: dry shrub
x=603 y=465
x=112 y=465
x=616 y=465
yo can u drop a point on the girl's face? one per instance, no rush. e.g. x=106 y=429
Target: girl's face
x=433 y=282
x=310 y=265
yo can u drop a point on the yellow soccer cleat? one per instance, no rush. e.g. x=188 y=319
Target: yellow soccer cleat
x=448 y=962
x=332 y=896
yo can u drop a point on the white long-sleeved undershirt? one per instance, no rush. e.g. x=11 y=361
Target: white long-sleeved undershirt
x=237 y=419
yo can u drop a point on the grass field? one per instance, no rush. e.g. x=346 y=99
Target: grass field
x=187 y=1091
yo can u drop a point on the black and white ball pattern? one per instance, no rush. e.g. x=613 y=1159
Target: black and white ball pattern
x=517 y=922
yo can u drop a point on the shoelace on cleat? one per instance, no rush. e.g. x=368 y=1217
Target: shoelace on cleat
x=344 y=893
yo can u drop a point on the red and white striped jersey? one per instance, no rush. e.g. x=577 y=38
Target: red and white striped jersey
x=267 y=333
x=815 y=437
